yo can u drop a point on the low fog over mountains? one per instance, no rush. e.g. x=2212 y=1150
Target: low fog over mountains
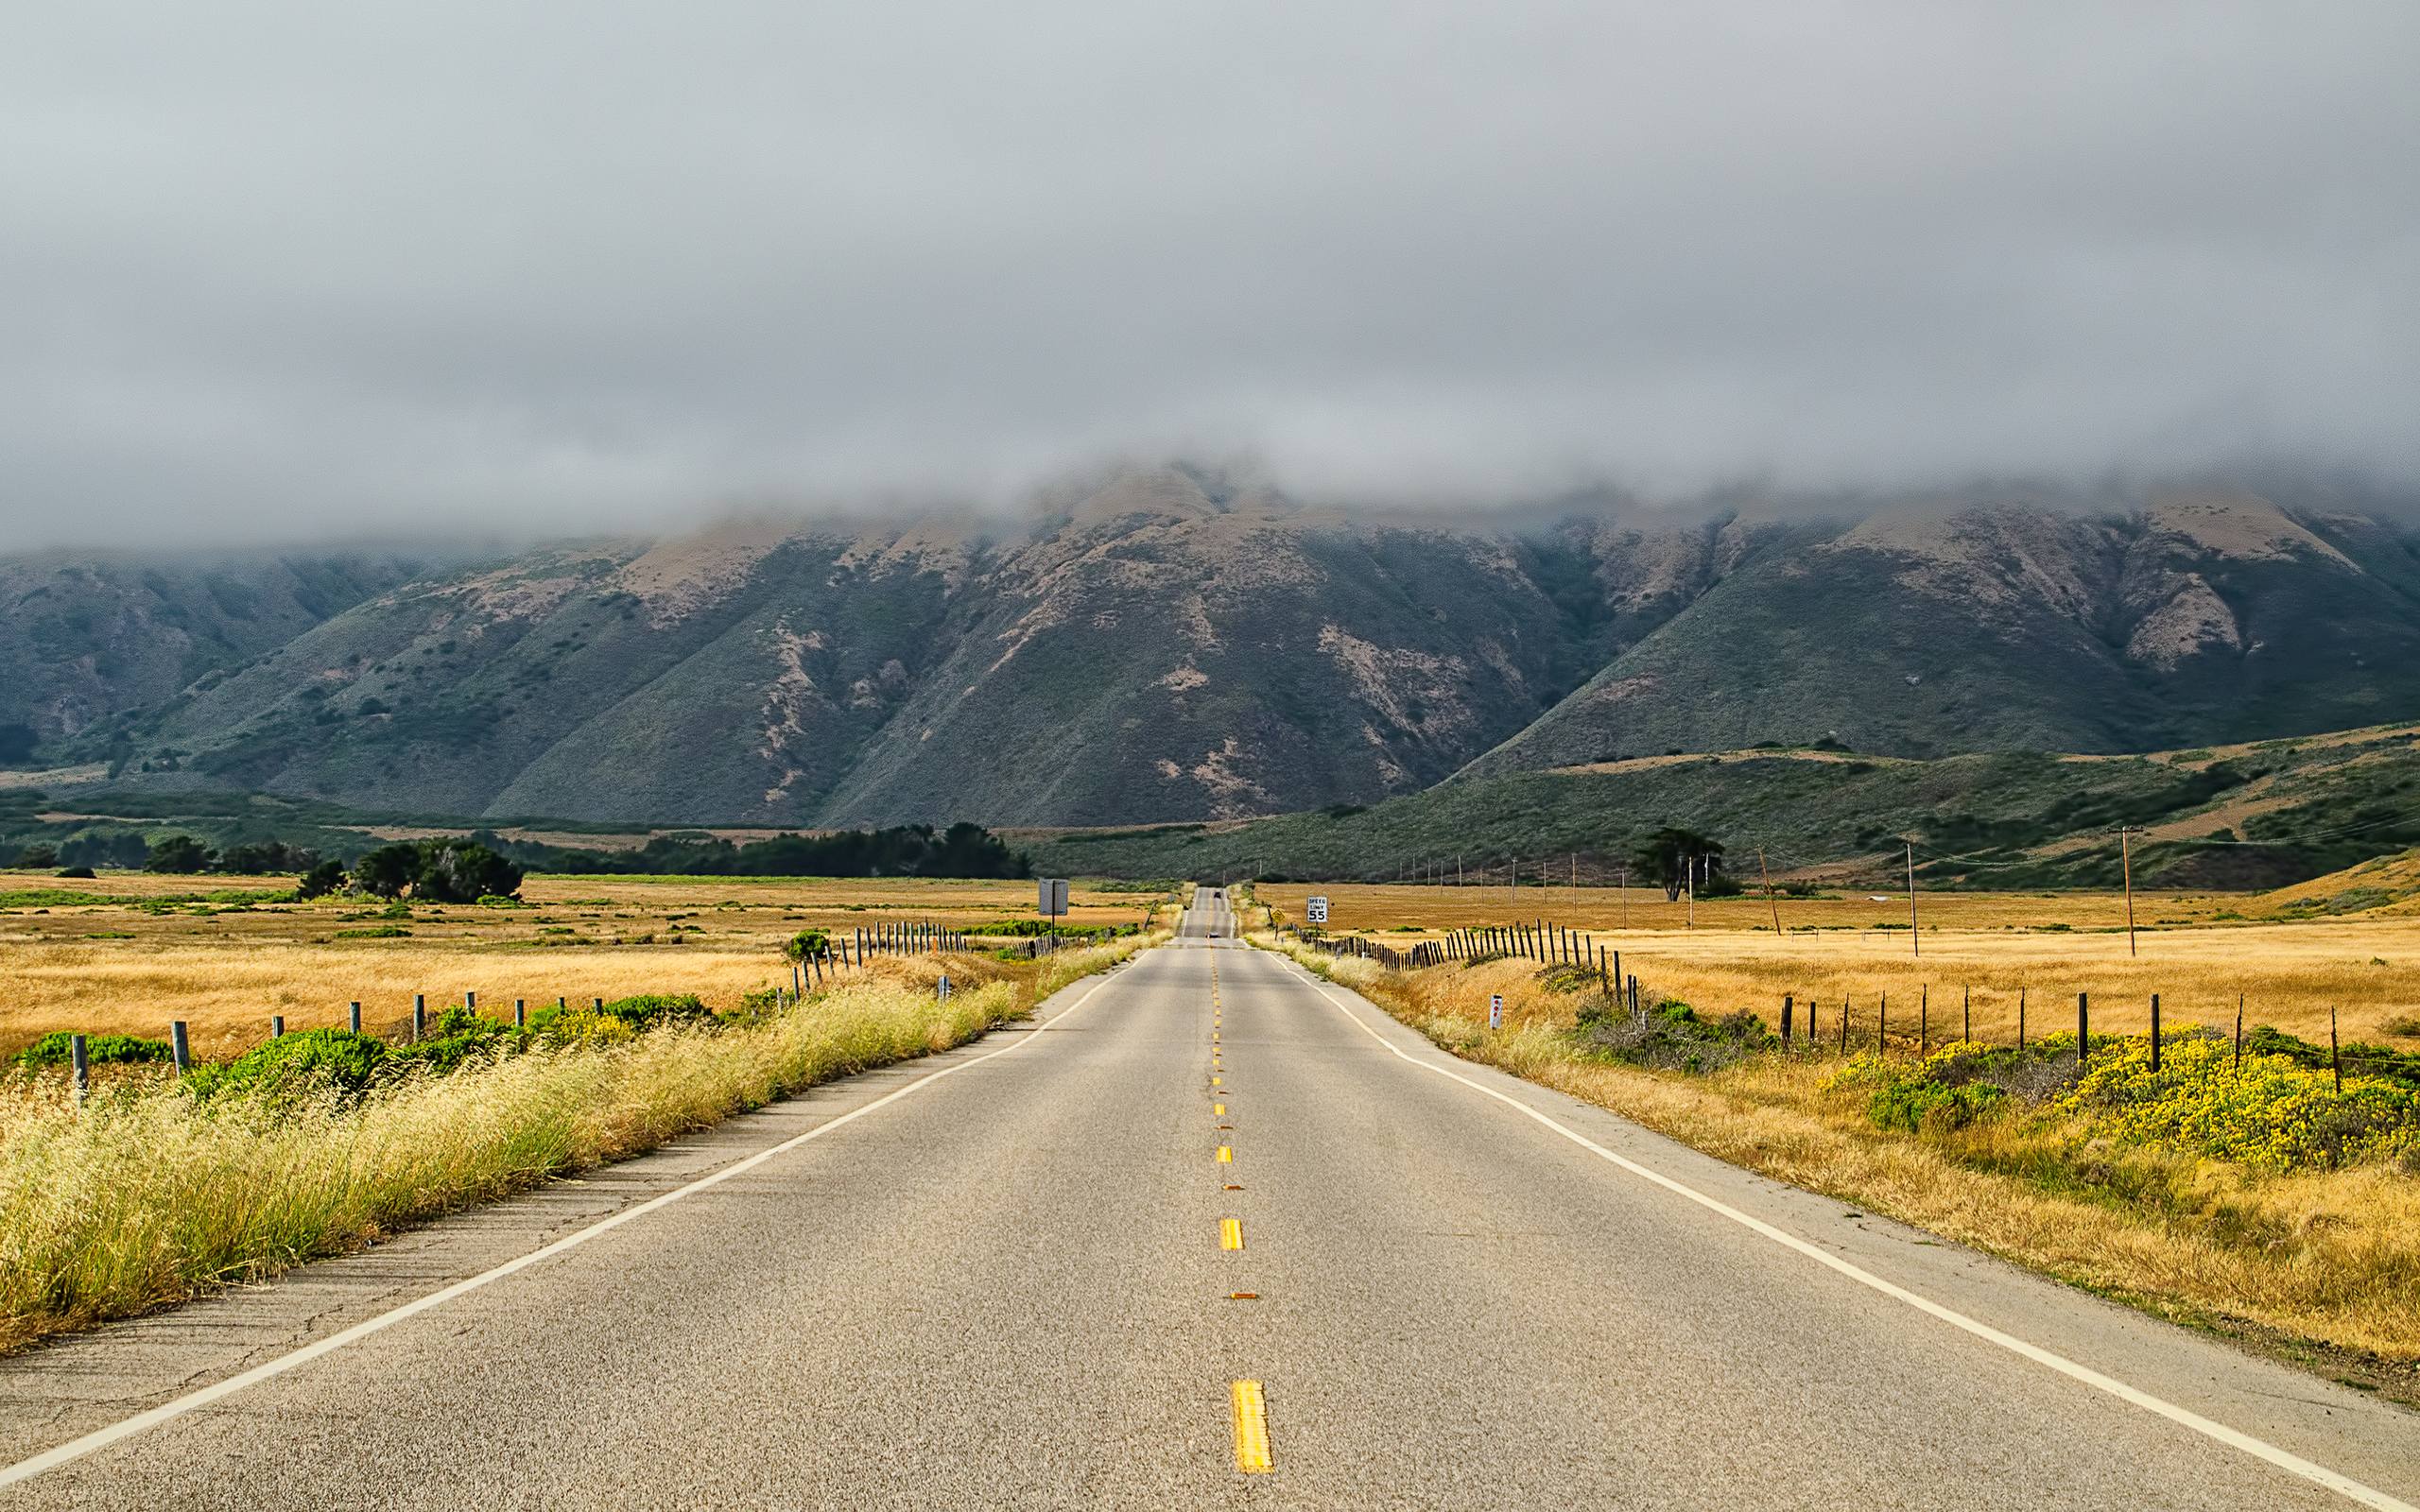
x=1170 y=645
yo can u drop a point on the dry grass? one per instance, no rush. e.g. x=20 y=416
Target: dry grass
x=225 y=972
x=144 y=1195
x=1994 y=945
x=2330 y=1258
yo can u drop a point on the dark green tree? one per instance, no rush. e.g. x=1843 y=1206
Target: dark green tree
x=321 y=880
x=38 y=857
x=463 y=871
x=178 y=855
x=388 y=871
x=1672 y=852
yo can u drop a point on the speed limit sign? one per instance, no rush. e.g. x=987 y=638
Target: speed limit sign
x=1315 y=911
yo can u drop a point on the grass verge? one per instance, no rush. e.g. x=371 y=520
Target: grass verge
x=2321 y=1268
x=147 y=1195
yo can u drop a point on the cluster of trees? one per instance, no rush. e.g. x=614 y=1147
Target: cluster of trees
x=439 y=872
x=444 y=871
x=184 y=856
x=484 y=865
x=902 y=850
x=103 y=848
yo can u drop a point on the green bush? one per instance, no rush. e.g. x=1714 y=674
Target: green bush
x=100 y=1049
x=312 y=1061
x=457 y=1034
x=1915 y=1104
x=630 y=1015
x=805 y=945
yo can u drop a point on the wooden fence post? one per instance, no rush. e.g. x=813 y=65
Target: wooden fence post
x=1923 y=1020
x=81 y=1060
x=420 y=1016
x=1785 y=1020
x=277 y=1026
x=2239 y=1034
x=1844 y=1023
x=1882 y=1028
x=179 y=1051
x=520 y=1013
x=1967 y=1034
x=2154 y=1032
x=2083 y=1028
x=2020 y=1018
x=352 y=1016
x=2335 y=1065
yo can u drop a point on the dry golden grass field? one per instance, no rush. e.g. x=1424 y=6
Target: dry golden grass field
x=116 y=967
x=2198 y=951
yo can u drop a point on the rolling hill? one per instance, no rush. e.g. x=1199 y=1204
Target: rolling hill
x=1170 y=646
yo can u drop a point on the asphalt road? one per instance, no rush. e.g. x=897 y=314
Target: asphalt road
x=1016 y=1286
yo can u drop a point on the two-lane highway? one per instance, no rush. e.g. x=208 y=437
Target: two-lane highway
x=1218 y=1233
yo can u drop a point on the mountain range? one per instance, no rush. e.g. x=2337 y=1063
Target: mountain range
x=1169 y=644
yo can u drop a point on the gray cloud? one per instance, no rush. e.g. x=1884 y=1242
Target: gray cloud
x=270 y=269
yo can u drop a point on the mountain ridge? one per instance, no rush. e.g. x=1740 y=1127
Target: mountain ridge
x=1169 y=645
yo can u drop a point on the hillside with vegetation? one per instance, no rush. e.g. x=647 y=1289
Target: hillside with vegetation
x=1172 y=645
x=2244 y=816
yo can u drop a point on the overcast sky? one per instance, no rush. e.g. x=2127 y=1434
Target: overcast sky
x=315 y=268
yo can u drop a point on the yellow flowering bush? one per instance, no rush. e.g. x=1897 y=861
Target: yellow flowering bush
x=2268 y=1112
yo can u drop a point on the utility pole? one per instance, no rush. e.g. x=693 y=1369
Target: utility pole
x=1768 y=879
x=2126 y=864
x=1623 y=887
x=1914 y=935
x=1689 y=880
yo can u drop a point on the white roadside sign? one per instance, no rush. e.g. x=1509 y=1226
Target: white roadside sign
x=1315 y=911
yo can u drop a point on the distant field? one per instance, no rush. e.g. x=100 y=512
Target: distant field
x=114 y=965
x=2048 y=947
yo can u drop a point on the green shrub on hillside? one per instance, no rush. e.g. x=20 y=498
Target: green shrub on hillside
x=56 y=1049
x=314 y=1062
x=805 y=945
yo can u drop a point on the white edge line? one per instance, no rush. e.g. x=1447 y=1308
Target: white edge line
x=2293 y=1464
x=100 y=1438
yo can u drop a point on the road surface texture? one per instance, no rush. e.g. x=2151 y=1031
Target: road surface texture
x=1022 y=1275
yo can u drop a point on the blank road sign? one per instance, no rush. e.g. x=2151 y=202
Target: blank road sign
x=1054 y=895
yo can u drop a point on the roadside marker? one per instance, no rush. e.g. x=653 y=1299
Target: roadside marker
x=1243 y=1296
x=1230 y=1234
x=1252 y=1427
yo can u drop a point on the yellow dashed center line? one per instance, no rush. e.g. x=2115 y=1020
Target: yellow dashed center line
x=1230 y=1234
x=1226 y=1155
x=1252 y=1427
x=1218 y=1110
x=1214 y=1081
